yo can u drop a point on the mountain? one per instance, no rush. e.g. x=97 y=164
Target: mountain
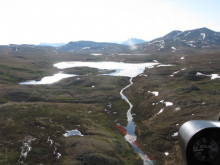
x=94 y=47
x=52 y=44
x=202 y=39
x=133 y=41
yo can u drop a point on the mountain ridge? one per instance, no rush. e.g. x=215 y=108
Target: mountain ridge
x=196 y=39
x=133 y=41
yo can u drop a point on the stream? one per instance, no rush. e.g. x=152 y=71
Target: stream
x=130 y=130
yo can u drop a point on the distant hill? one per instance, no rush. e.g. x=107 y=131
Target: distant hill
x=179 y=42
x=189 y=41
x=52 y=44
x=133 y=41
x=94 y=47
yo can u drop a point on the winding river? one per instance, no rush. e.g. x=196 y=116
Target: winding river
x=120 y=69
x=130 y=130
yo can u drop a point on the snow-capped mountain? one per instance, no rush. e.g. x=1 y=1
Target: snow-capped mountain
x=198 y=39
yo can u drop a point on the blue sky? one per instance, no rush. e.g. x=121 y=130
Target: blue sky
x=36 y=21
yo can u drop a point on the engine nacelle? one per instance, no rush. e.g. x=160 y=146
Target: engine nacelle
x=200 y=142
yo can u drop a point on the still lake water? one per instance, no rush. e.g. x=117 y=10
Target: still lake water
x=121 y=69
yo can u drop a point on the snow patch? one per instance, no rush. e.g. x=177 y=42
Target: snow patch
x=96 y=54
x=55 y=51
x=203 y=35
x=175 y=134
x=213 y=76
x=174 y=49
x=168 y=104
x=26 y=148
x=177 y=108
x=86 y=48
x=187 y=34
x=72 y=133
x=155 y=93
x=166 y=153
x=165 y=65
x=160 y=111
x=191 y=45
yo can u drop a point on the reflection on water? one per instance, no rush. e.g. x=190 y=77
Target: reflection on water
x=49 y=79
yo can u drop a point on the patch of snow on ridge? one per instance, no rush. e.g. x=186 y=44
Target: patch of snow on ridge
x=168 y=104
x=166 y=153
x=176 y=72
x=49 y=141
x=191 y=45
x=186 y=34
x=58 y=155
x=177 y=108
x=213 y=76
x=165 y=65
x=96 y=54
x=86 y=48
x=160 y=111
x=162 y=44
x=174 y=49
x=26 y=147
x=199 y=74
x=203 y=35
x=155 y=93
x=55 y=51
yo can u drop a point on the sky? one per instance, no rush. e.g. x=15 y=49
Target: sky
x=62 y=21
